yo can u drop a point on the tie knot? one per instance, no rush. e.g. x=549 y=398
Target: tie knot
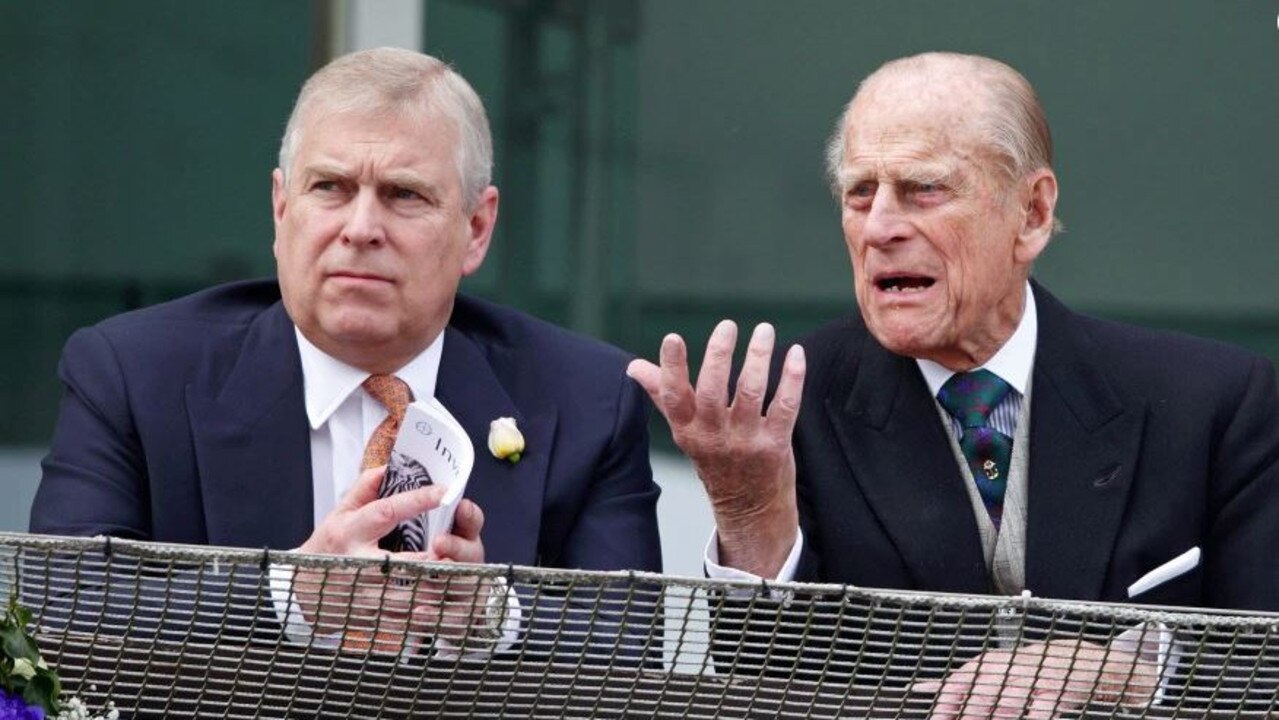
x=392 y=392
x=971 y=396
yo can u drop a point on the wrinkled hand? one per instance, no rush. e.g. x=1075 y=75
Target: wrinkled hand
x=740 y=449
x=380 y=612
x=1040 y=681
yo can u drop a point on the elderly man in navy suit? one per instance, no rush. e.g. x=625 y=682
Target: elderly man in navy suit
x=257 y=414
x=902 y=448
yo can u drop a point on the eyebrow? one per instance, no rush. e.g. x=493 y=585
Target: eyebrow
x=917 y=173
x=323 y=169
x=411 y=181
x=398 y=178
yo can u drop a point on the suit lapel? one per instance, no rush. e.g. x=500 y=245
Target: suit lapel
x=252 y=439
x=895 y=446
x=510 y=494
x=1084 y=442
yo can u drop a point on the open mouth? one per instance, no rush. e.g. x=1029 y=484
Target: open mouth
x=904 y=283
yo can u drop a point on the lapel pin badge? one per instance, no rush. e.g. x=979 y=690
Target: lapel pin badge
x=506 y=442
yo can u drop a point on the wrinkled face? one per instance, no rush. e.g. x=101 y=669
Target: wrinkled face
x=372 y=234
x=936 y=232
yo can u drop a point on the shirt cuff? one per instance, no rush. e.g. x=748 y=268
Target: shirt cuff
x=289 y=612
x=1151 y=642
x=511 y=616
x=715 y=571
x=298 y=630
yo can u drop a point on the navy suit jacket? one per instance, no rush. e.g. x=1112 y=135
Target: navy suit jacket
x=1143 y=444
x=185 y=422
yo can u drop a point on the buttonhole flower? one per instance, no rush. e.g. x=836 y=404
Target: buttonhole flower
x=505 y=440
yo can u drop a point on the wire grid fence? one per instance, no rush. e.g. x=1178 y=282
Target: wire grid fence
x=185 y=631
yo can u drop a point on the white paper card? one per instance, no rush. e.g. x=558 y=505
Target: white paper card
x=431 y=449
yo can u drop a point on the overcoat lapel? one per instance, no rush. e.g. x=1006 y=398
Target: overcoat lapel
x=252 y=440
x=510 y=494
x=898 y=454
x=1084 y=442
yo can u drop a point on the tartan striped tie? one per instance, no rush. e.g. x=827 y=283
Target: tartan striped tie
x=969 y=398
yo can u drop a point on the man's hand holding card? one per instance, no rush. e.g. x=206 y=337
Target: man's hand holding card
x=413 y=509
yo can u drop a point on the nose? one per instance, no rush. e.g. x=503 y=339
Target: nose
x=885 y=220
x=364 y=223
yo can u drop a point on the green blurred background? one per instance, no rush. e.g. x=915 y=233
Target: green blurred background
x=660 y=160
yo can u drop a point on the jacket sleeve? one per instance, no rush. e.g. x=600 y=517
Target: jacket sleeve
x=94 y=479
x=95 y=482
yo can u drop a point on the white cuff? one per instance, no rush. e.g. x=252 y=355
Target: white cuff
x=298 y=630
x=511 y=624
x=715 y=571
x=289 y=612
x=1151 y=642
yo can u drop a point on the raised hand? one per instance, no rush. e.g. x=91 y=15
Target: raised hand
x=740 y=449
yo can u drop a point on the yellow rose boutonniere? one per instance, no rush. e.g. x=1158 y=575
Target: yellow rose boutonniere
x=505 y=440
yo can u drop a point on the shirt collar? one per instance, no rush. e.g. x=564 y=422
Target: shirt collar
x=1013 y=361
x=328 y=382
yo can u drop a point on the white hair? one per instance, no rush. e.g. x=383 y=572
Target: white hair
x=1012 y=121
x=397 y=81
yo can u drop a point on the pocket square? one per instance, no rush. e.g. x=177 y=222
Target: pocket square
x=1174 y=568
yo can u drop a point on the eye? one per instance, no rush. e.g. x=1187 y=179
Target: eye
x=324 y=186
x=402 y=193
x=860 y=194
x=927 y=193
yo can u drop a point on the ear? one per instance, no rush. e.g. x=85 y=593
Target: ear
x=277 y=206
x=480 y=230
x=1040 y=216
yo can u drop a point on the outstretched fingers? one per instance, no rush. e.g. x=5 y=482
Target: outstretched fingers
x=667 y=384
x=748 y=402
x=712 y=380
x=784 y=409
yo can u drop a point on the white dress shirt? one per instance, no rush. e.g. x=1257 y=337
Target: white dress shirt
x=343 y=417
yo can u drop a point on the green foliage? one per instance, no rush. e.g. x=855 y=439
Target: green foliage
x=42 y=688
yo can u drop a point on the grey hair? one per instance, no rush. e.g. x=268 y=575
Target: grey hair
x=1013 y=123
x=396 y=81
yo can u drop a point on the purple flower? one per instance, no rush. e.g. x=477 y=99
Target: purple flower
x=12 y=707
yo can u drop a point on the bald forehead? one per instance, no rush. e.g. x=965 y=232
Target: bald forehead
x=975 y=73
x=941 y=92
x=919 y=117
x=933 y=115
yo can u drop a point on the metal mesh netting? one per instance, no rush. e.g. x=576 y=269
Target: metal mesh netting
x=182 y=631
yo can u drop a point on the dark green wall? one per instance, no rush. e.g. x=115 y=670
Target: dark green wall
x=1164 y=116
x=716 y=205
x=660 y=160
x=136 y=145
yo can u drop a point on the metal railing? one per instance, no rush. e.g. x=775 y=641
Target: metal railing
x=183 y=631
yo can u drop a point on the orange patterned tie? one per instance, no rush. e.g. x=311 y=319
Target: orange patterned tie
x=395 y=396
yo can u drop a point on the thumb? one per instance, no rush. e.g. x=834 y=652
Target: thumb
x=364 y=491
x=648 y=375
x=925 y=686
